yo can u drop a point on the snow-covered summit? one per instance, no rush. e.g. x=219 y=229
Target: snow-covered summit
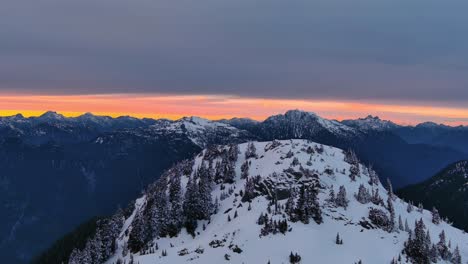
x=203 y=131
x=299 y=123
x=370 y=123
x=273 y=202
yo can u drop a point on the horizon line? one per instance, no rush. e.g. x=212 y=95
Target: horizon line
x=36 y=114
x=215 y=107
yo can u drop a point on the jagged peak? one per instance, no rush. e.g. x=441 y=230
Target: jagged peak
x=51 y=116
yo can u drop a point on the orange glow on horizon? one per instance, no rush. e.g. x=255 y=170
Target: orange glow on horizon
x=217 y=107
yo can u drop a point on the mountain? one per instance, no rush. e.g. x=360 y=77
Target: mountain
x=57 y=172
x=428 y=133
x=436 y=135
x=390 y=155
x=285 y=201
x=54 y=127
x=447 y=191
x=371 y=123
x=241 y=123
x=204 y=132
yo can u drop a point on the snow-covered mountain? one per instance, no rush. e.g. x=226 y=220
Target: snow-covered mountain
x=297 y=124
x=370 y=123
x=290 y=201
x=203 y=132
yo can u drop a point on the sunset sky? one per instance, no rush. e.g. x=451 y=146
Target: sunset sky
x=402 y=60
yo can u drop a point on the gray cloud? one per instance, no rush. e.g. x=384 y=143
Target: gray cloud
x=360 y=49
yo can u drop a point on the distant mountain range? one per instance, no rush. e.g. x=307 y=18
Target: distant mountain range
x=57 y=172
x=425 y=133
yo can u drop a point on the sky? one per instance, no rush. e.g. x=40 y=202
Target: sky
x=403 y=60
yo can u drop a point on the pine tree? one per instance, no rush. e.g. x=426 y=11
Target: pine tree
x=400 y=224
x=363 y=195
x=341 y=199
x=390 y=189
x=331 y=196
x=391 y=210
x=307 y=205
x=245 y=170
x=407 y=229
x=159 y=213
x=435 y=216
x=376 y=199
x=409 y=208
x=456 y=258
x=206 y=205
x=442 y=248
x=420 y=207
x=417 y=247
x=338 y=240
x=373 y=177
x=175 y=201
x=191 y=205
x=251 y=151
x=233 y=153
x=351 y=158
x=228 y=171
x=433 y=254
x=290 y=206
x=249 y=190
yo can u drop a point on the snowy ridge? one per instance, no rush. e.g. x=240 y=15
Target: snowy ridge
x=298 y=124
x=275 y=172
x=371 y=123
x=201 y=131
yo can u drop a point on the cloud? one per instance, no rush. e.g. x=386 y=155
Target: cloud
x=361 y=49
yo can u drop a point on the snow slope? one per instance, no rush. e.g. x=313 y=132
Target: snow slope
x=315 y=243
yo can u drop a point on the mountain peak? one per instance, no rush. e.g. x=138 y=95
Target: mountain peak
x=51 y=116
x=370 y=123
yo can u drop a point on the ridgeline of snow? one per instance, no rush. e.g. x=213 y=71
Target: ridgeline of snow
x=370 y=123
x=232 y=234
x=202 y=131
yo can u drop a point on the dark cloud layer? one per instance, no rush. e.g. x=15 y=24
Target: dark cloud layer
x=358 y=49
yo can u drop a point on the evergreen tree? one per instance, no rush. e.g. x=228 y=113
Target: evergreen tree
x=390 y=189
x=442 y=248
x=291 y=205
x=417 y=248
x=391 y=210
x=159 y=213
x=175 y=201
x=191 y=205
x=245 y=170
x=400 y=224
x=407 y=229
x=376 y=199
x=341 y=199
x=307 y=205
x=373 y=177
x=206 y=205
x=420 y=207
x=433 y=254
x=251 y=151
x=435 y=216
x=363 y=195
x=249 y=190
x=456 y=258
x=331 y=196
x=409 y=208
